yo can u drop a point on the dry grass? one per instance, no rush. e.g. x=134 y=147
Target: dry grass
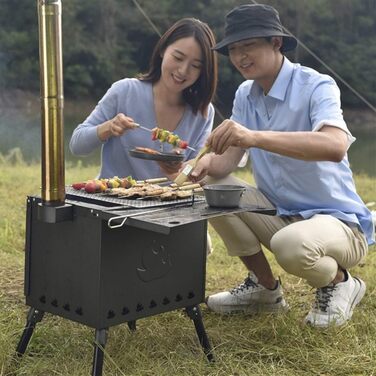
x=166 y=344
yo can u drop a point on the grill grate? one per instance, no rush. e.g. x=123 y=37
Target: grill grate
x=109 y=201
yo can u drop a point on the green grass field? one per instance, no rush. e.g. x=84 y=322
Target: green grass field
x=166 y=344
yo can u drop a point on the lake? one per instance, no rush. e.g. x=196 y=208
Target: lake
x=20 y=128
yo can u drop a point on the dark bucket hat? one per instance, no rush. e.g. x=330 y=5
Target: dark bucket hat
x=253 y=21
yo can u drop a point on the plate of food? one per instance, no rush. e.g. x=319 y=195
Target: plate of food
x=155 y=155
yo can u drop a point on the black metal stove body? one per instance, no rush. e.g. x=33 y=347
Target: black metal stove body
x=106 y=265
x=99 y=276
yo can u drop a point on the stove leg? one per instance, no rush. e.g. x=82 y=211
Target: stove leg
x=132 y=325
x=99 y=345
x=194 y=313
x=33 y=317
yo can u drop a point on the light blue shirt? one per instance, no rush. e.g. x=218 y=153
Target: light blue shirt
x=301 y=99
x=134 y=98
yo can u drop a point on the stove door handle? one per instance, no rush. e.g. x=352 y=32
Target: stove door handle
x=123 y=217
x=126 y=216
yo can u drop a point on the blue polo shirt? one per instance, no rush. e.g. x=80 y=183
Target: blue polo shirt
x=301 y=99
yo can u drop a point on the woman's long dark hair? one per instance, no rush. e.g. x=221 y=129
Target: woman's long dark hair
x=201 y=93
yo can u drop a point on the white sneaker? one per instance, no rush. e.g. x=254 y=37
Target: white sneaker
x=248 y=297
x=334 y=304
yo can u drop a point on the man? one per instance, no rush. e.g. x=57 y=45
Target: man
x=289 y=118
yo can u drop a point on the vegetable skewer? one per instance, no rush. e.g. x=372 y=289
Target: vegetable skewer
x=164 y=135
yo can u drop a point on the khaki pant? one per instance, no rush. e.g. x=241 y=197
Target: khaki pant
x=308 y=248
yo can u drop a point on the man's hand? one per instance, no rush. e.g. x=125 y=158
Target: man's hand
x=229 y=133
x=328 y=144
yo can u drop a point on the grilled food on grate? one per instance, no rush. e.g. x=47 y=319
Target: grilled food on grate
x=142 y=189
x=101 y=185
x=153 y=191
x=139 y=190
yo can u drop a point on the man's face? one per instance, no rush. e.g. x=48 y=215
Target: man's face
x=255 y=58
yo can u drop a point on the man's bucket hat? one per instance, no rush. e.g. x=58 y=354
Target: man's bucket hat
x=253 y=21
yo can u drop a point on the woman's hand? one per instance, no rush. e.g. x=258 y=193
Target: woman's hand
x=201 y=169
x=170 y=169
x=115 y=127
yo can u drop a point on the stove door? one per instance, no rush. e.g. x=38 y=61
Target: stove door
x=145 y=273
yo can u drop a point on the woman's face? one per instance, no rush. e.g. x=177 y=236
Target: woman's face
x=181 y=64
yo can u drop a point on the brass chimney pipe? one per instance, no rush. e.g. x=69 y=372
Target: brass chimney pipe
x=52 y=101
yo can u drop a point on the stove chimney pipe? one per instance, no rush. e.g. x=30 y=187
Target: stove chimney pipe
x=52 y=102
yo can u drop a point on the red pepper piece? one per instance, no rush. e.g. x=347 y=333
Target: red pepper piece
x=154 y=134
x=183 y=144
x=78 y=186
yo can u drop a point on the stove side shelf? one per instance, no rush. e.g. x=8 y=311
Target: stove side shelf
x=163 y=220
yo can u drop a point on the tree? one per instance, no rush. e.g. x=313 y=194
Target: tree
x=104 y=41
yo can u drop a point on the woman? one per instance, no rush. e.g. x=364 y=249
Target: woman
x=175 y=95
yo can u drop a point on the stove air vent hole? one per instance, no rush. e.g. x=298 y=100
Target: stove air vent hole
x=110 y=314
x=173 y=222
x=139 y=307
x=178 y=298
x=54 y=303
x=191 y=295
x=152 y=304
x=42 y=299
x=79 y=311
x=166 y=301
x=125 y=311
x=66 y=307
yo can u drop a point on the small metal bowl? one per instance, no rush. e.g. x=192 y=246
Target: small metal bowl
x=223 y=196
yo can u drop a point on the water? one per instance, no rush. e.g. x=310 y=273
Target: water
x=20 y=128
x=362 y=153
